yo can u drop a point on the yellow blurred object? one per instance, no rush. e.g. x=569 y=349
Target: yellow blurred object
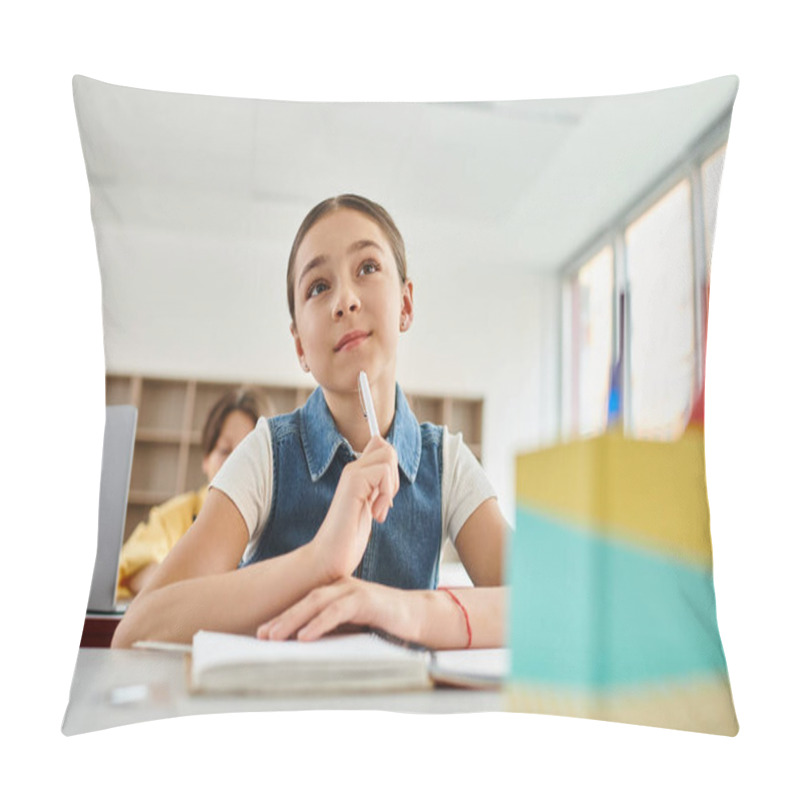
x=648 y=493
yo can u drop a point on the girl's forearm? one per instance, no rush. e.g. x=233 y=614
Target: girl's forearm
x=443 y=622
x=237 y=601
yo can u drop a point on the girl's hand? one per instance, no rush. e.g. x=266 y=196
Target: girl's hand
x=365 y=492
x=348 y=601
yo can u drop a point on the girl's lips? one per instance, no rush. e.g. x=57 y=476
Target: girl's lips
x=350 y=340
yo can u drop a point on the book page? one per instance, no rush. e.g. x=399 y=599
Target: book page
x=478 y=667
x=210 y=649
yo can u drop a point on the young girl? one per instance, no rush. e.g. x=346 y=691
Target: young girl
x=311 y=524
x=230 y=419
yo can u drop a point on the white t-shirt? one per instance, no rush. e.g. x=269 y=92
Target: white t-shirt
x=246 y=478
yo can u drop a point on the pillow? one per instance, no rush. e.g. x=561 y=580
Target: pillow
x=507 y=209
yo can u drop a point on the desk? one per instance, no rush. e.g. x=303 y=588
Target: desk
x=120 y=687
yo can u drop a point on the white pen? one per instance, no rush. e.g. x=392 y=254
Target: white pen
x=366 y=403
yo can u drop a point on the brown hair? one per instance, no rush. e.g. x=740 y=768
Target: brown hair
x=375 y=212
x=246 y=399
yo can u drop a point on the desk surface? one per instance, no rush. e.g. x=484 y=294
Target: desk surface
x=120 y=687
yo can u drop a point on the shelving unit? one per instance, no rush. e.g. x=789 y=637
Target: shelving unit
x=167 y=455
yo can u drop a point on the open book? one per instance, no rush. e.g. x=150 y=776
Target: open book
x=359 y=662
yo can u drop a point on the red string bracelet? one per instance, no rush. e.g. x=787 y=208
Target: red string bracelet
x=463 y=611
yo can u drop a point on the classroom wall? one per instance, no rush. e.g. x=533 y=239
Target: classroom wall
x=498 y=341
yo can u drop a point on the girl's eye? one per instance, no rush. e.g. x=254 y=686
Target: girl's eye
x=368 y=267
x=316 y=288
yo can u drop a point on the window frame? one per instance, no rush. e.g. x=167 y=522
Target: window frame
x=688 y=167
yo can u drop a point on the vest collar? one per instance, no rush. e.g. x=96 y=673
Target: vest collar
x=321 y=439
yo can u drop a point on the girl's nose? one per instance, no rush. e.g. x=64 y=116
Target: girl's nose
x=347 y=300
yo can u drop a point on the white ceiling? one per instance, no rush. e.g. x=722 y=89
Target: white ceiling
x=196 y=200
x=521 y=184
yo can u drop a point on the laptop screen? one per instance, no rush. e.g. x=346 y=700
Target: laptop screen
x=115 y=477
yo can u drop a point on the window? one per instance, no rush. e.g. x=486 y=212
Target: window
x=662 y=341
x=640 y=306
x=587 y=336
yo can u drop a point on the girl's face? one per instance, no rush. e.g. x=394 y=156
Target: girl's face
x=236 y=426
x=350 y=305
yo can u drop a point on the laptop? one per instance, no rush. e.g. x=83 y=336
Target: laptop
x=115 y=479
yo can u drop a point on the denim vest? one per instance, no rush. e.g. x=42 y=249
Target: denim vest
x=308 y=456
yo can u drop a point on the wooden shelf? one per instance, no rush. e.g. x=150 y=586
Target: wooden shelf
x=147 y=498
x=164 y=436
x=460 y=415
x=167 y=455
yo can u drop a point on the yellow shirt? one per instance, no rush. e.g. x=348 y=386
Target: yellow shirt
x=152 y=540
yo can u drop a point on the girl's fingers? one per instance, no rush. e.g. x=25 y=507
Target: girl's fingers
x=377 y=467
x=339 y=611
x=382 y=498
x=384 y=461
x=382 y=506
x=320 y=612
x=377 y=505
x=375 y=443
x=296 y=616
